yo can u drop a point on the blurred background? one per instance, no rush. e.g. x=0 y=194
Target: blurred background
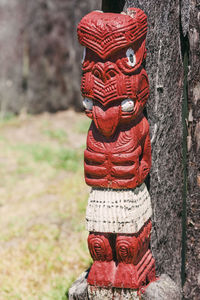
x=40 y=56
x=43 y=242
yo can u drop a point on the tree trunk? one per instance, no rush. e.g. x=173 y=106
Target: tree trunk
x=54 y=54
x=165 y=70
x=192 y=285
x=173 y=67
x=40 y=55
x=12 y=22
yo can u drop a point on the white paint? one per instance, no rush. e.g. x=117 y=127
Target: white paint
x=118 y=211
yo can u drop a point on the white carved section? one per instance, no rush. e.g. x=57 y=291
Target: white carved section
x=118 y=211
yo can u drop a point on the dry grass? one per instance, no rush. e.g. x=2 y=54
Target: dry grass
x=42 y=205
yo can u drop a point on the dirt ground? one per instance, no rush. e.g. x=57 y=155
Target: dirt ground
x=42 y=205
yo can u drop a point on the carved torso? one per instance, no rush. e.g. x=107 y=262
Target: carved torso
x=118 y=162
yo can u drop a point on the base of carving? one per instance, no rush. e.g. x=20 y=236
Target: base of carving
x=97 y=293
x=123 y=275
x=136 y=276
x=102 y=273
x=163 y=288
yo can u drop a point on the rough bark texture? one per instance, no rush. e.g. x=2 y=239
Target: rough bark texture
x=165 y=70
x=40 y=55
x=192 y=285
x=164 y=288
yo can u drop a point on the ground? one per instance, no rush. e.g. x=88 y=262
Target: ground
x=43 y=241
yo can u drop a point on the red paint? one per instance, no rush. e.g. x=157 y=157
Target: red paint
x=118 y=153
x=123 y=160
x=106 y=33
x=107 y=80
x=103 y=269
x=123 y=261
x=135 y=276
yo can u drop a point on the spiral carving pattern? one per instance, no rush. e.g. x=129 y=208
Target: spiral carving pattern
x=99 y=247
x=127 y=249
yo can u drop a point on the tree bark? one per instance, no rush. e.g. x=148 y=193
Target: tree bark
x=192 y=285
x=173 y=67
x=164 y=67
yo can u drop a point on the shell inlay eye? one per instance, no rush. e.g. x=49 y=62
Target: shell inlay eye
x=84 y=55
x=87 y=103
x=131 y=57
x=127 y=105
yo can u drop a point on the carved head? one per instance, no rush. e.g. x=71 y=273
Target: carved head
x=114 y=84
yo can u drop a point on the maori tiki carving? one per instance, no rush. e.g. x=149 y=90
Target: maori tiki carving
x=115 y=89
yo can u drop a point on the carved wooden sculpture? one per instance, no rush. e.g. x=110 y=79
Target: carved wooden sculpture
x=118 y=156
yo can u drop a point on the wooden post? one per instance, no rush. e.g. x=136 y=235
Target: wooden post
x=191 y=32
x=173 y=68
x=165 y=69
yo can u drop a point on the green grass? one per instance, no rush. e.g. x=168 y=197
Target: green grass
x=57 y=134
x=82 y=126
x=60 y=157
x=43 y=196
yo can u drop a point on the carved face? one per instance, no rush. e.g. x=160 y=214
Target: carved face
x=114 y=85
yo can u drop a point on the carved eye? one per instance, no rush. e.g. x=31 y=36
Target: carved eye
x=127 y=105
x=84 y=54
x=131 y=57
x=88 y=103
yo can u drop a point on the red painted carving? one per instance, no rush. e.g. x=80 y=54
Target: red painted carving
x=131 y=248
x=122 y=160
x=121 y=260
x=115 y=89
x=103 y=268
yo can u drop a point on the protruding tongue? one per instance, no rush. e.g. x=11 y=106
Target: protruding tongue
x=106 y=121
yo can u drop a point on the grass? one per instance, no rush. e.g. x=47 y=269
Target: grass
x=43 y=241
x=57 y=134
x=82 y=126
x=57 y=157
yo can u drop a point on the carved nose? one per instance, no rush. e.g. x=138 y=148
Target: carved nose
x=104 y=71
